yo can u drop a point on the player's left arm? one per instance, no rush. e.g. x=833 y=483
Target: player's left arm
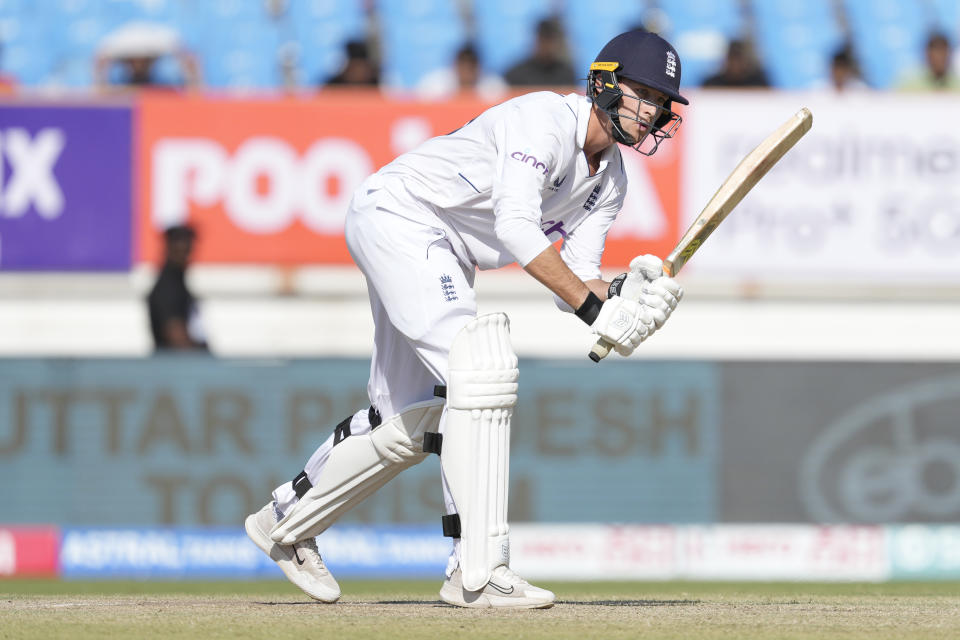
x=645 y=282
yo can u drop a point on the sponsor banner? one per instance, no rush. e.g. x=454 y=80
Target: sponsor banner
x=919 y=552
x=538 y=552
x=199 y=441
x=167 y=553
x=29 y=551
x=65 y=188
x=595 y=552
x=788 y=552
x=860 y=197
x=839 y=442
x=349 y=552
x=270 y=180
x=723 y=552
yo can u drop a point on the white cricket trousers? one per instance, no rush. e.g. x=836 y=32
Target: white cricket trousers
x=421 y=296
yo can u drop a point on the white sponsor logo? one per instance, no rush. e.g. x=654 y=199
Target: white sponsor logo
x=31 y=179
x=264 y=186
x=875 y=463
x=671 y=64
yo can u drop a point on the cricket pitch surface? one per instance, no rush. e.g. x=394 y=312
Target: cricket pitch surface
x=411 y=609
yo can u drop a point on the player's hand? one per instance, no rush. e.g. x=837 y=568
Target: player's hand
x=661 y=296
x=646 y=284
x=642 y=269
x=624 y=323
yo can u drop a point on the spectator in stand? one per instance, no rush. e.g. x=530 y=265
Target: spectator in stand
x=359 y=70
x=464 y=76
x=739 y=69
x=844 y=75
x=548 y=64
x=127 y=58
x=937 y=76
x=174 y=315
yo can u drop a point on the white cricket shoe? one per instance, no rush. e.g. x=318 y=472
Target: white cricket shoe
x=301 y=562
x=506 y=589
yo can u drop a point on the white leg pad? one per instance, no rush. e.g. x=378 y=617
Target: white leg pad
x=358 y=466
x=481 y=394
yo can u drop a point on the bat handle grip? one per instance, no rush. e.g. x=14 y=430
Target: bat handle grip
x=600 y=349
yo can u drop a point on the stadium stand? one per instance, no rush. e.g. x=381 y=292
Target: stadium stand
x=226 y=50
x=888 y=38
x=700 y=30
x=505 y=30
x=240 y=42
x=417 y=37
x=319 y=29
x=588 y=30
x=795 y=40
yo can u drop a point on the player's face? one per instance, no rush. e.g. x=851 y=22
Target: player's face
x=640 y=107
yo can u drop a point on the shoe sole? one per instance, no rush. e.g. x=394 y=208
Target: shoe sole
x=486 y=604
x=265 y=544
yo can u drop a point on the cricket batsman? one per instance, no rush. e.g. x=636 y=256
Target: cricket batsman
x=501 y=189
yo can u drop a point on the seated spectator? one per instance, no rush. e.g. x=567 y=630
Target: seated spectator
x=937 y=76
x=464 y=76
x=174 y=315
x=548 y=64
x=844 y=75
x=739 y=69
x=359 y=70
x=128 y=57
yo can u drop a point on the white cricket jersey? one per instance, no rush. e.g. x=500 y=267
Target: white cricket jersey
x=514 y=180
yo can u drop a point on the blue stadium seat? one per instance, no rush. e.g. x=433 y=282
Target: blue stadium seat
x=506 y=30
x=26 y=53
x=418 y=36
x=588 y=29
x=240 y=47
x=888 y=37
x=946 y=16
x=795 y=40
x=320 y=30
x=700 y=30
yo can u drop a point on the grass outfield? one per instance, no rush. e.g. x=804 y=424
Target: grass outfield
x=410 y=609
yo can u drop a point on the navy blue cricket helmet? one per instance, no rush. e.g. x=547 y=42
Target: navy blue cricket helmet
x=646 y=58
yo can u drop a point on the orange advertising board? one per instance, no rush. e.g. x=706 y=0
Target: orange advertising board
x=269 y=180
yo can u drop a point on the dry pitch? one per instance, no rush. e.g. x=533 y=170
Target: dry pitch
x=379 y=609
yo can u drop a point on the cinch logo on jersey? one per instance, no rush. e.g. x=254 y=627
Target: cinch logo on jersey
x=557 y=226
x=527 y=158
x=592 y=198
x=671 y=64
x=447 y=288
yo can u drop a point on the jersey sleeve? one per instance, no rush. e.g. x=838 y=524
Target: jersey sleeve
x=528 y=147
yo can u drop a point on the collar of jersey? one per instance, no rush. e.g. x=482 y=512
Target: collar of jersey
x=581 y=105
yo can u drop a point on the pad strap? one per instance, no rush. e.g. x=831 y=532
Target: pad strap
x=451 y=525
x=301 y=484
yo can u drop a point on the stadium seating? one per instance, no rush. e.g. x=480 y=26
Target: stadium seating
x=946 y=17
x=506 y=29
x=795 y=40
x=239 y=42
x=320 y=29
x=700 y=30
x=417 y=37
x=888 y=38
x=588 y=30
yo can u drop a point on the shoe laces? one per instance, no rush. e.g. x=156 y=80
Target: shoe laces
x=310 y=544
x=508 y=574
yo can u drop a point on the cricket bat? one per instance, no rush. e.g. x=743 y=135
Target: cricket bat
x=738 y=184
